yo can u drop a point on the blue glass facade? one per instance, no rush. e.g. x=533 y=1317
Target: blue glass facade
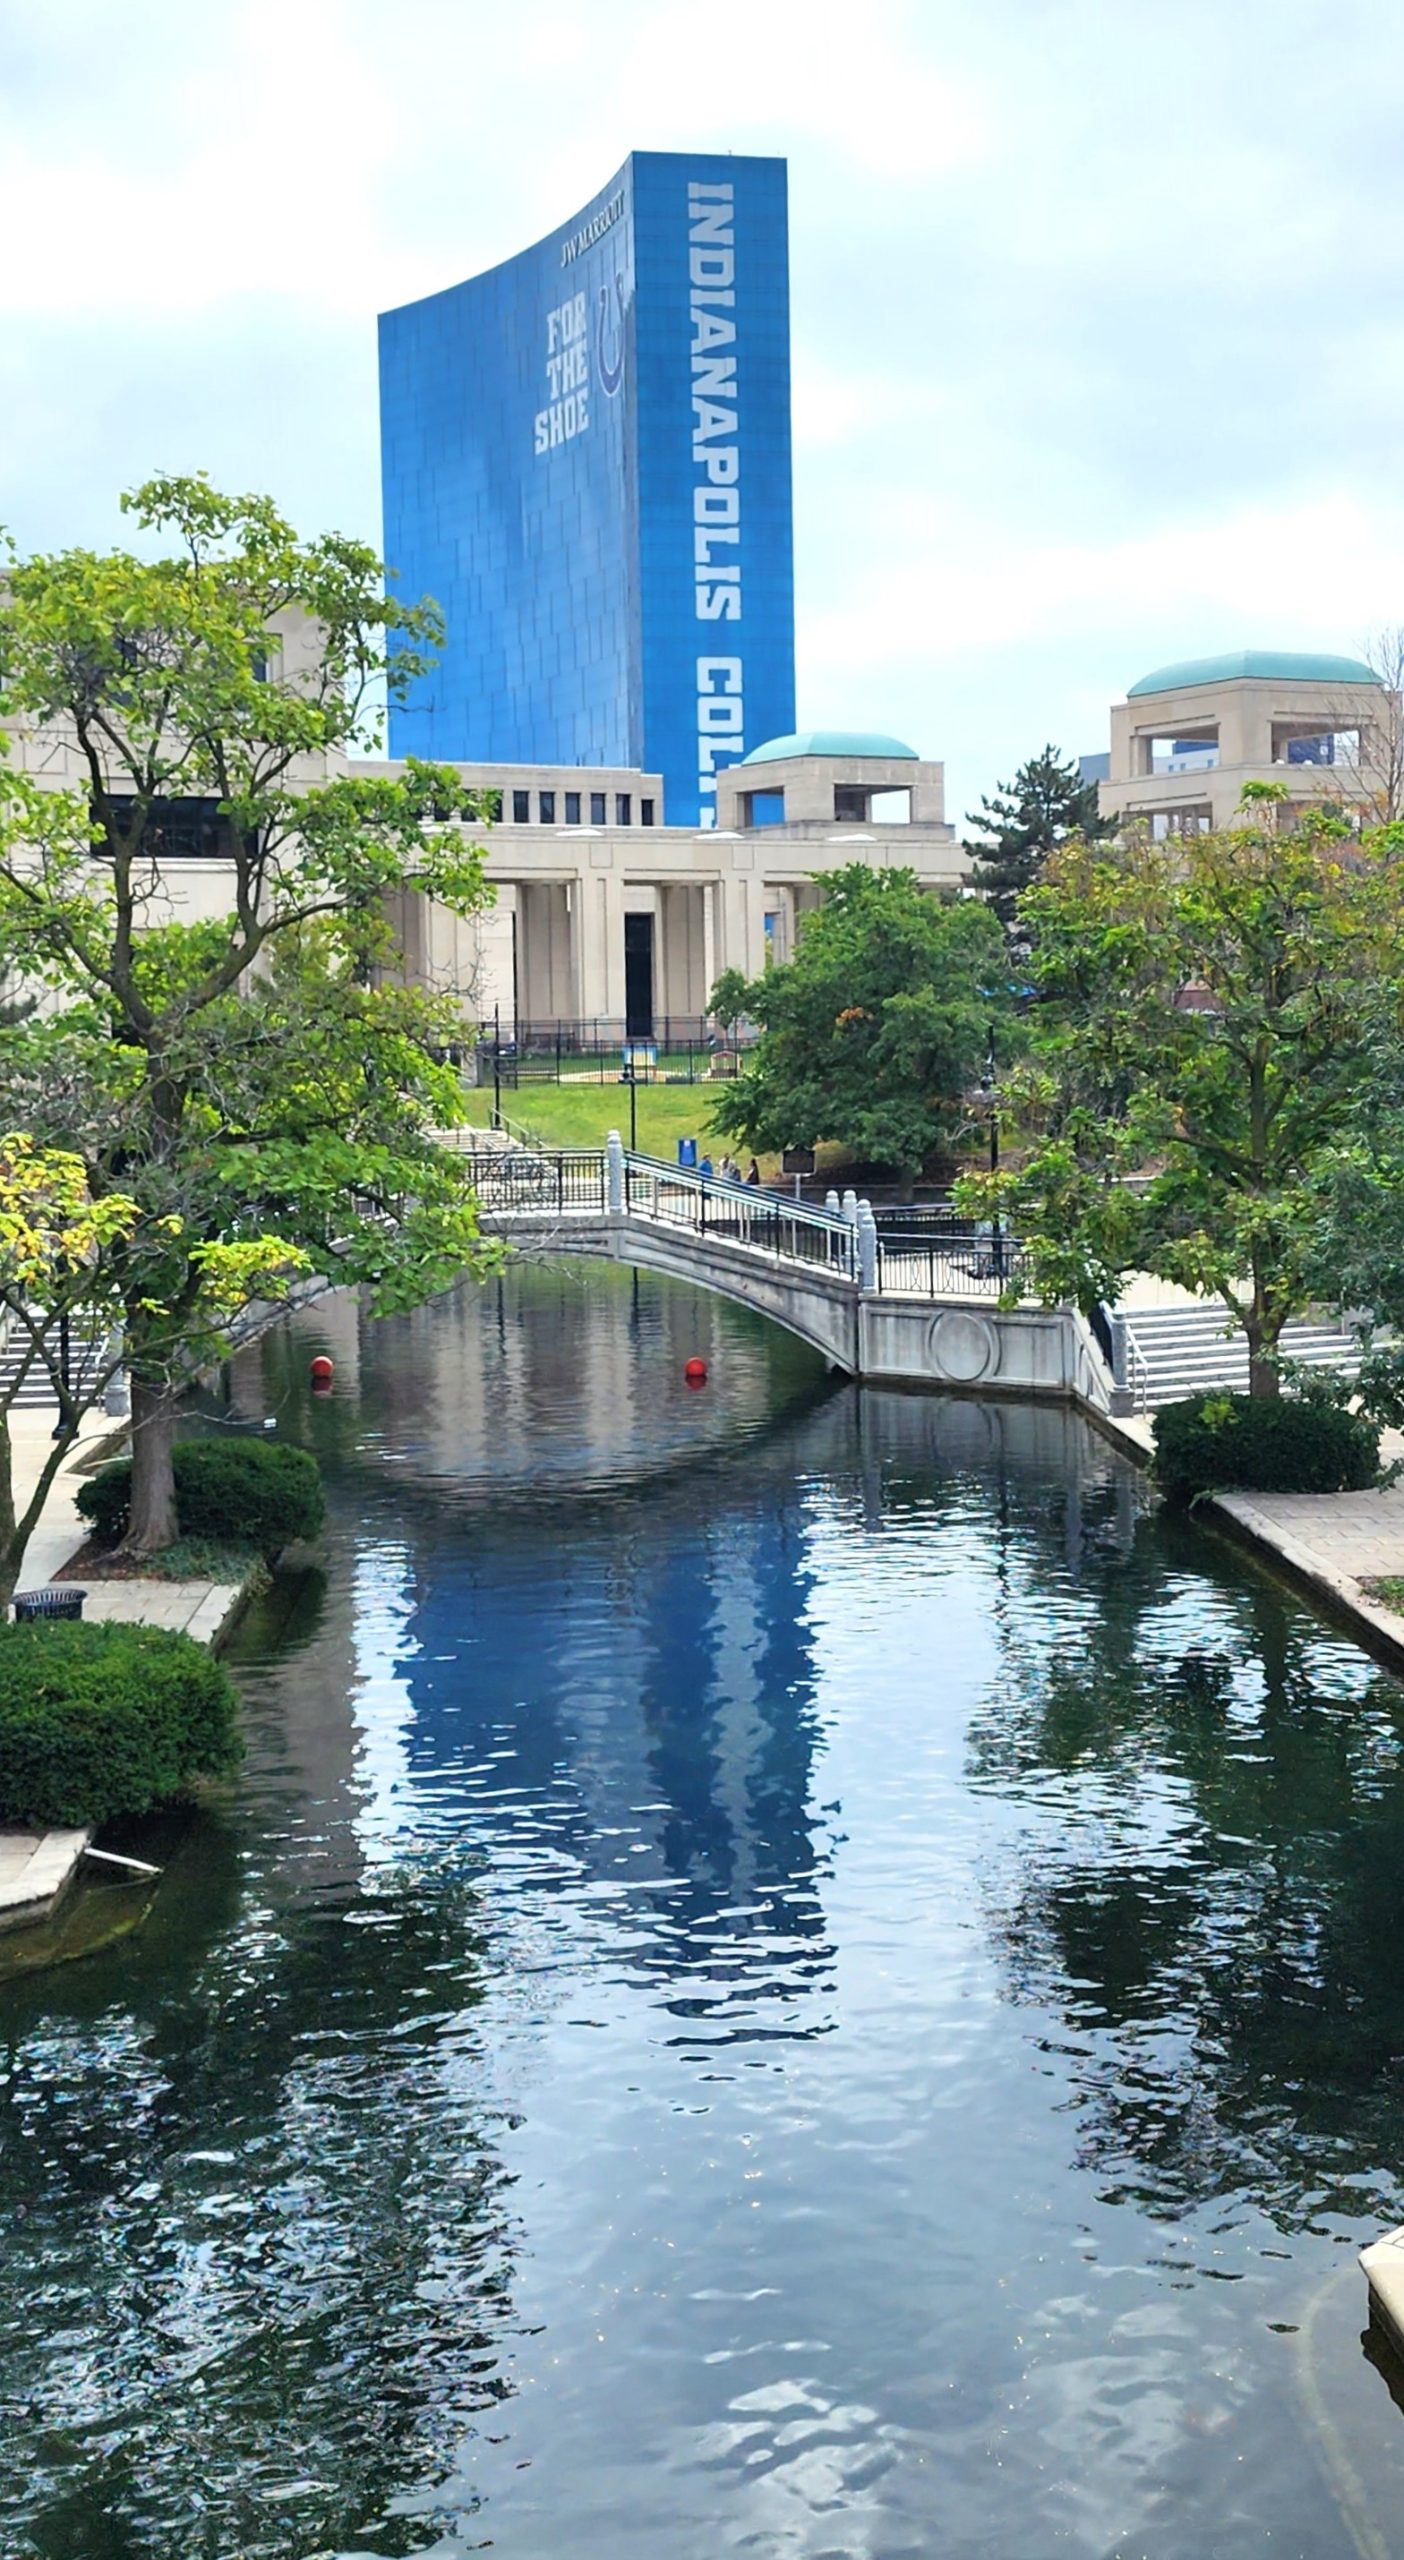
x=586 y=460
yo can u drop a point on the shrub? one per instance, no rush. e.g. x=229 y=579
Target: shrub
x=258 y=1491
x=1267 y=1444
x=101 y=1720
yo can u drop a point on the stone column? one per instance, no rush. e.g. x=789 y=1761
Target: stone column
x=598 y=940
x=743 y=924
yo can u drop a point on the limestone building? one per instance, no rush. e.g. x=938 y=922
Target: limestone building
x=607 y=915
x=607 y=921
x=1188 y=737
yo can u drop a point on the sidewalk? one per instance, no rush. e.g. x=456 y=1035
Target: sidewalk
x=1336 y=1542
x=37 y=1867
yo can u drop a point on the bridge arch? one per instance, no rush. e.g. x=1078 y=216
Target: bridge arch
x=819 y=1307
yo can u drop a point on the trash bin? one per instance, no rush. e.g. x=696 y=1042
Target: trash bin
x=687 y=1154
x=64 y=1600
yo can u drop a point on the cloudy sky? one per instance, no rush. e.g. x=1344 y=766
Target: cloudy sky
x=1098 y=305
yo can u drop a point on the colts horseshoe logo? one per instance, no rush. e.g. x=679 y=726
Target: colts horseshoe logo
x=611 y=369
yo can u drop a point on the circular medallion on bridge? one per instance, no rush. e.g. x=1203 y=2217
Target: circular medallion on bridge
x=963 y=1348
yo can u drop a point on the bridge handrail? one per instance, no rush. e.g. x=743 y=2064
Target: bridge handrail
x=739 y=1212
x=715 y=1184
x=560 y=1180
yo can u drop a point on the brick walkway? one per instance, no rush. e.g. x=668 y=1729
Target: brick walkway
x=1336 y=1542
x=1359 y=1535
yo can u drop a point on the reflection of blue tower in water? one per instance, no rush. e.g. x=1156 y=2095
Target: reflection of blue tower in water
x=728 y=1700
x=633 y=1699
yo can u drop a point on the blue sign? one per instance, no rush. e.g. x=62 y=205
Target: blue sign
x=586 y=461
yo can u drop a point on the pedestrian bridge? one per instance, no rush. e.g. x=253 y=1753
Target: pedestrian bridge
x=930 y=1313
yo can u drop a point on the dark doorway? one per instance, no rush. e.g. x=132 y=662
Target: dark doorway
x=638 y=977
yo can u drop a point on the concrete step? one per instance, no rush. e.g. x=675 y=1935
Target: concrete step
x=37 y=1391
x=1183 y=1351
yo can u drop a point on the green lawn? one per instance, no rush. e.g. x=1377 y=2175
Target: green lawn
x=582 y=1114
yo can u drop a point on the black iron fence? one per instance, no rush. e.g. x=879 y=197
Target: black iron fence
x=678 y=1048
x=523 y=1178
x=951 y=1267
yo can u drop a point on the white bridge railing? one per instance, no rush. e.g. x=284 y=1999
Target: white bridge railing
x=947 y=1258
x=543 y=1183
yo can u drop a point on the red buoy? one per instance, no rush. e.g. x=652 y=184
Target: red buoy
x=322 y=1371
x=695 y=1371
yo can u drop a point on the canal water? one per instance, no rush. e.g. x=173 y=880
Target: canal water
x=791 y=1972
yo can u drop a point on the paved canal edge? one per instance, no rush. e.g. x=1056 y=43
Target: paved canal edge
x=1328 y=1544
x=38 y=1867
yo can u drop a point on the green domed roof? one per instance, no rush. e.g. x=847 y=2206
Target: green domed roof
x=830 y=742
x=1292 y=666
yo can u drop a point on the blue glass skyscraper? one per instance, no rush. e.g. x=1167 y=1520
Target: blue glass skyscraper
x=586 y=461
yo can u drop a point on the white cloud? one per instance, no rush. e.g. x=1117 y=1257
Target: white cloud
x=1098 y=356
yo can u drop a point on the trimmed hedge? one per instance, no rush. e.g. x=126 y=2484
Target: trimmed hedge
x=1264 y=1444
x=100 y=1720
x=259 y=1492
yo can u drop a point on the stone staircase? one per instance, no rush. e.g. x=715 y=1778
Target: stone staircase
x=1161 y=1353
x=37 y=1391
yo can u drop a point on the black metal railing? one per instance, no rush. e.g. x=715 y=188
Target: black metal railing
x=979 y=1265
x=593 y=1035
x=540 y=1180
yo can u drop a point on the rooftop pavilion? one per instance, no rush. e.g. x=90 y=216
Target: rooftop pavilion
x=1189 y=736
x=820 y=778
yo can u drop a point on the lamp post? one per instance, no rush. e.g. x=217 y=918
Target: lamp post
x=63 y=1372
x=630 y=1078
x=989 y=1085
x=496 y=1066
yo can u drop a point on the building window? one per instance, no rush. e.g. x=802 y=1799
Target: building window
x=521 y=808
x=597 y=808
x=572 y=808
x=622 y=809
x=175 y=830
x=547 y=804
x=645 y=813
x=762 y=808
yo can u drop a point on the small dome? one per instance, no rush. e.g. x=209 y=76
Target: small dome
x=831 y=742
x=1290 y=666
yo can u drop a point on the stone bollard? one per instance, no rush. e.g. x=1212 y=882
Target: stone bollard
x=831 y=1204
x=850 y=1207
x=614 y=1173
x=867 y=1246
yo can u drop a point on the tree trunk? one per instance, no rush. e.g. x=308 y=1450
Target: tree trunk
x=1262 y=1323
x=9 y=1559
x=18 y=1527
x=153 y=1516
x=1263 y=1375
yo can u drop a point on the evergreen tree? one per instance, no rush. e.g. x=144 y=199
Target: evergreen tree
x=1046 y=802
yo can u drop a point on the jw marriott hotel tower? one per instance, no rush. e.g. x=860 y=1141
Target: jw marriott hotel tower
x=586 y=462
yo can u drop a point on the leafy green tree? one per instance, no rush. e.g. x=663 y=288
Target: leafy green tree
x=875 y=1030
x=1196 y=1062
x=1360 y=1236
x=257 y=1086
x=58 y=1256
x=1027 y=819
